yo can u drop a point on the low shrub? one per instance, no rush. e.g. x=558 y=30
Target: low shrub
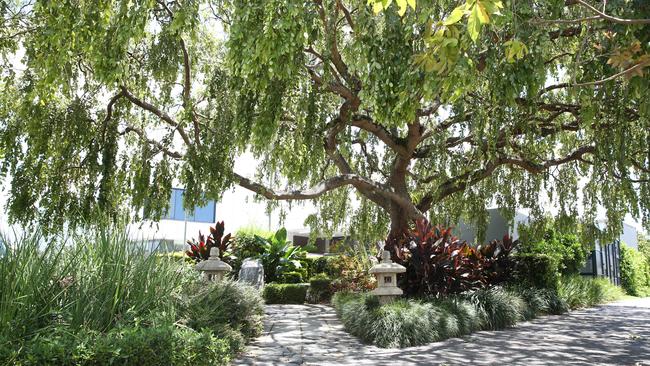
x=143 y=346
x=177 y=256
x=320 y=288
x=244 y=245
x=213 y=305
x=285 y=293
x=635 y=272
x=291 y=277
x=349 y=273
x=321 y=265
x=310 y=248
x=535 y=270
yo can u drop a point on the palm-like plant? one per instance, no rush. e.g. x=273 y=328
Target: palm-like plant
x=279 y=255
x=438 y=263
x=201 y=250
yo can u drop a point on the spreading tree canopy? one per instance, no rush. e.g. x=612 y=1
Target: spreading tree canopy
x=423 y=109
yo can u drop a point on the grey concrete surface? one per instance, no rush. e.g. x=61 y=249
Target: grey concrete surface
x=613 y=334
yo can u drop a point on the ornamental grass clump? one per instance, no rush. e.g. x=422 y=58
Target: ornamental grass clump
x=99 y=299
x=498 y=308
x=413 y=322
x=579 y=292
x=212 y=304
x=95 y=281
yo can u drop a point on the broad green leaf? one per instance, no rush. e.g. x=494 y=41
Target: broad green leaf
x=483 y=16
x=474 y=24
x=377 y=7
x=455 y=15
x=402 y=6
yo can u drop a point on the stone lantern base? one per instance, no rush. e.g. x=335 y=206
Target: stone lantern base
x=387 y=294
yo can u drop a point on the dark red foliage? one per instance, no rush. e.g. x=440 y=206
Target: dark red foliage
x=438 y=263
x=201 y=250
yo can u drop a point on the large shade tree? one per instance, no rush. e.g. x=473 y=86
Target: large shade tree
x=435 y=108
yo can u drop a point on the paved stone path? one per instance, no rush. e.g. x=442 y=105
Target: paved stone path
x=613 y=334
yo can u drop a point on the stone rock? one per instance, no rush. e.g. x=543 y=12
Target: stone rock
x=252 y=272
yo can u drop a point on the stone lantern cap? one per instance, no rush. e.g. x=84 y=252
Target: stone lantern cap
x=387 y=265
x=214 y=264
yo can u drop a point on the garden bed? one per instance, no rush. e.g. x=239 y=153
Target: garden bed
x=415 y=322
x=101 y=301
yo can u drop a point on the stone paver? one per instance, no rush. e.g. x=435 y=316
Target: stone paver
x=613 y=334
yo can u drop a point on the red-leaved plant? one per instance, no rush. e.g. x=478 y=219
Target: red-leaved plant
x=438 y=263
x=201 y=250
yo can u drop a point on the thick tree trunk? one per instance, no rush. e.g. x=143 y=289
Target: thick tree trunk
x=399 y=221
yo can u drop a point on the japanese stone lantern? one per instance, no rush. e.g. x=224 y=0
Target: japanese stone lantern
x=214 y=269
x=386 y=273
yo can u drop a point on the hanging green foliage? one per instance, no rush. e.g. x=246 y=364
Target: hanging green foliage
x=433 y=109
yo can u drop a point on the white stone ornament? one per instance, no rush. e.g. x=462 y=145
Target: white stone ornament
x=386 y=274
x=214 y=269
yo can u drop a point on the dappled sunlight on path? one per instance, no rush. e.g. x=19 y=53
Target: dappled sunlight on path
x=613 y=334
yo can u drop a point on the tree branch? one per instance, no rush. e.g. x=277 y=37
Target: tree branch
x=640 y=65
x=157 y=112
x=612 y=18
x=469 y=178
x=366 y=123
x=187 y=79
x=172 y=154
x=319 y=189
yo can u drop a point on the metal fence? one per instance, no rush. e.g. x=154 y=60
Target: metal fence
x=604 y=261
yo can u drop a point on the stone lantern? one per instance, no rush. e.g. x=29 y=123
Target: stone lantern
x=214 y=269
x=386 y=273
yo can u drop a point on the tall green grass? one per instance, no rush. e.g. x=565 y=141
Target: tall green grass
x=93 y=281
x=100 y=299
x=578 y=292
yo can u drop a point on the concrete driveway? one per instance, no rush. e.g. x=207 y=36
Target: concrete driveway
x=613 y=334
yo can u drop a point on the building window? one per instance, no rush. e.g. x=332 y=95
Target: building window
x=199 y=214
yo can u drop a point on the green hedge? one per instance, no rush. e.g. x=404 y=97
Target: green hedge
x=285 y=293
x=535 y=270
x=635 y=272
x=291 y=277
x=320 y=288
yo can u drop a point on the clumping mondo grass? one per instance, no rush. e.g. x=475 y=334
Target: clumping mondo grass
x=498 y=308
x=410 y=322
x=413 y=322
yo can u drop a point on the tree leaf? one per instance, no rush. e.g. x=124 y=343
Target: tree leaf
x=483 y=15
x=474 y=24
x=455 y=16
x=402 y=7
